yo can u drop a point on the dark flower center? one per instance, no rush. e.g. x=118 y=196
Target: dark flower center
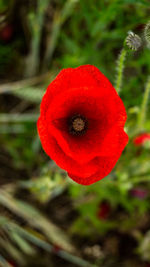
x=78 y=125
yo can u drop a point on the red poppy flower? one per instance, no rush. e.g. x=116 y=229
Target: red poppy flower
x=141 y=139
x=81 y=124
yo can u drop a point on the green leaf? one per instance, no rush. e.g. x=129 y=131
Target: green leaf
x=36 y=219
x=23 y=245
x=12 y=250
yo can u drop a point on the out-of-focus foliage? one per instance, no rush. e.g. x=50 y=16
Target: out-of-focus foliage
x=37 y=39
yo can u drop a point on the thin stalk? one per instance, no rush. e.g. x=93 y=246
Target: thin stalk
x=120 y=68
x=36 y=21
x=27 y=117
x=74 y=259
x=52 y=39
x=13 y=86
x=140 y=179
x=142 y=114
x=15 y=129
x=131 y=43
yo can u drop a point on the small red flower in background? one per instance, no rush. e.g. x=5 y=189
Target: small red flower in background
x=12 y=263
x=104 y=211
x=81 y=124
x=141 y=139
x=56 y=248
x=6 y=32
x=139 y=193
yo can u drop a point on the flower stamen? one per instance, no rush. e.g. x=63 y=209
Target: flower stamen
x=78 y=125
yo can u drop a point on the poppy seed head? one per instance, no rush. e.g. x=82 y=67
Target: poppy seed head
x=78 y=125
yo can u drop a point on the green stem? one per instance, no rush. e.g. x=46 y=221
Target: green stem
x=59 y=19
x=36 y=22
x=142 y=114
x=120 y=68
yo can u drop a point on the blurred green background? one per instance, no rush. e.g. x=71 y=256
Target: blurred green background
x=45 y=218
